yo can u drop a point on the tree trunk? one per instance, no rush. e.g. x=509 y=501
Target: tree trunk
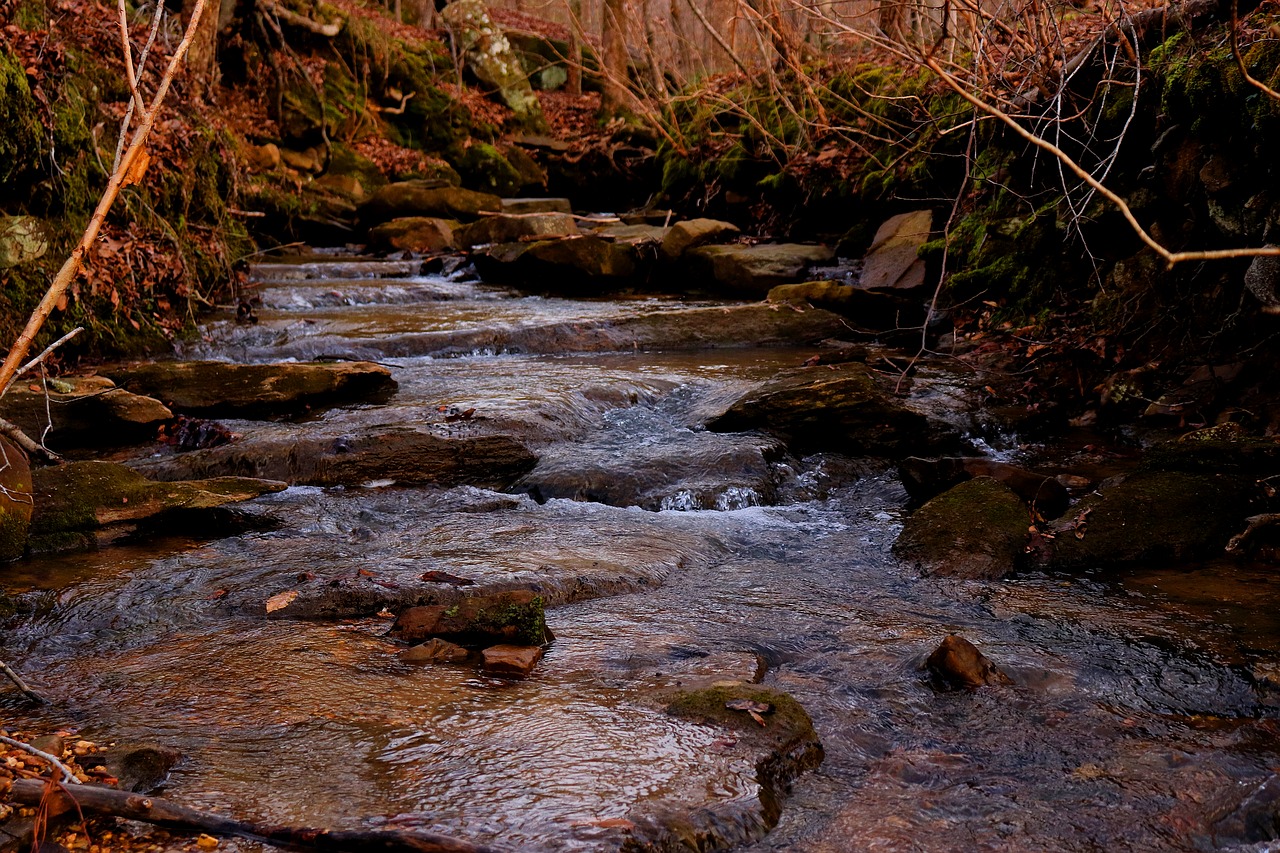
x=575 y=48
x=202 y=56
x=892 y=19
x=613 y=28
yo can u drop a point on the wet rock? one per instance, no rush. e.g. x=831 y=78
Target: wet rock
x=83 y=411
x=977 y=529
x=411 y=198
x=692 y=233
x=15 y=500
x=1150 y=517
x=22 y=239
x=892 y=261
x=838 y=408
x=510 y=660
x=490 y=57
x=425 y=234
x=1216 y=450
x=83 y=504
x=140 y=767
x=223 y=389
x=536 y=205
x=402 y=454
x=925 y=478
x=1253 y=820
x=868 y=309
x=959 y=665
x=633 y=235
x=434 y=650
x=508 y=617
x=585 y=261
x=752 y=271
x=514 y=228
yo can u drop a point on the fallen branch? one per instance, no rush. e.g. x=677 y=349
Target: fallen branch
x=290 y=17
x=33 y=448
x=67 y=775
x=93 y=799
x=17 y=679
x=41 y=357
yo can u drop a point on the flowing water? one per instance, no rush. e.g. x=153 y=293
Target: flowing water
x=1143 y=712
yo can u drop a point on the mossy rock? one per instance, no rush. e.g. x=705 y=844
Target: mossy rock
x=21 y=136
x=514 y=617
x=15 y=500
x=977 y=529
x=1215 y=451
x=483 y=167
x=1152 y=517
x=837 y=408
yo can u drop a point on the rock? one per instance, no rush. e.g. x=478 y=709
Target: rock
x=892 y=261
x=975 y=530
x=423 y=234
x=536 y=205
x=562 y=265
x=223 y=389
x=530 y=171
x=1253 y=820
x=22 y=239
x=262 y=158
x=86 y=411
x=509 y=660
x=513 y=228
x=301 y=161
x=869 y=309
x=551 y=78
x=1219 y=174
x=139 y=767
x=15 y=500
x=347 y=185
x=404 y=454
x=633 y=235
x=959 y=664
x=490 y=57
x=754 y=270
x=509 y=617
x=789 y=734
x=1150 y=517
x=435 y=650
x=1262 y=278
x=411 y=198
x=485 y=167
x=925 y=478
x=542 y=142
x=82 y=504
x=837 y=408
x=692 y=233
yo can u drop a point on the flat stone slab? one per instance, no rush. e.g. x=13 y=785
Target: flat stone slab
x=83 y=411
x=755 y=270
x=408 y=198
x=332 y=269
x=536 y=205
x=893 y=261
x=513 y=228
x=223 y=389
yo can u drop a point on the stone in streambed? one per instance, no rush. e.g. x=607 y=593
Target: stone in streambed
x=977 y=529
x=926 y=478
x=404 y=454
x=692 y=233
x=788 y=734
x=138 y=767
x=221 y=389
x=536 y=205
x=752 y=271
x=867 y=308
x=838 y=408
x=511 y=660
x=511 y=228
x=412 y=198
x=423 y=234
x=959 y=665
x=515 y=616
x=434 y=650
x=83 y=411
x=83 y=504
x=893 y=261
x=575 y=263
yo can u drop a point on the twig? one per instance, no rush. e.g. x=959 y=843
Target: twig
x=22 y=685
x=68 y=776
x=1235 y=51
x=42 y=356
x=290 y=17
x=33 y=448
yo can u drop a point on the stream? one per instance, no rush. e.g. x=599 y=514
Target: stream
x=1143 y=712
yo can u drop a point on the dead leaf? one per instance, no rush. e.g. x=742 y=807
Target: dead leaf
x=137 y=169
x=281 y=600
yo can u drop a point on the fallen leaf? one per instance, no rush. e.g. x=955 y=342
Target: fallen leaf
x=281 y=600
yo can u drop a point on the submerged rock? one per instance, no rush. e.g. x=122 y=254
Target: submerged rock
x=223 y=389
x=83 y=411
x=514 y=616
x=435 y=650
x=83 y=504
x=752 y=271
x=977 y=529
x=511 y=660
x=139 y=767
x=839 y=408
x=958 y=664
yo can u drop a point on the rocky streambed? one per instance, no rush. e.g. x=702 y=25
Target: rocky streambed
x=685 y=545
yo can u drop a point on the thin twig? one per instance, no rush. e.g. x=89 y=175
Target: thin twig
x=22 y=685
x=68 y=776
x=41 y=357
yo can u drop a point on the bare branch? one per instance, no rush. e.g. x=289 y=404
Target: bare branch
x=67 y=775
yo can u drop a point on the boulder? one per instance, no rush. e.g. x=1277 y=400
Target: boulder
x=83 y=411
x=788 y=733
x=347 y=185
x=752 y=271
x=958 y=664
x=1150 y=517
x=514 y=228
x=530 y=173
x=633 y=235
x=489 y=55
x=560 y=265
x=838 y=408
x=434 y=650
x=514 y=616
x=414 y=198
x=15 y=500
x=692 y=233
x=536 y=205
x=1262 y=279
x=83 y=504
x=484 y=167
x=262 y=158
x=423 y=234
x=893 y=261
x=403 y=454
x=869 y=309
x=976 y=530
x=925 y=478
x=140 y=768
x=510 y=660
x=300 y=161
x=22 y=239
x=223 y=389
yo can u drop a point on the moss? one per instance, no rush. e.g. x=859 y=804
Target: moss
x=788 y=721
x=975 y=530
x=20 y=133
x=483 y=168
